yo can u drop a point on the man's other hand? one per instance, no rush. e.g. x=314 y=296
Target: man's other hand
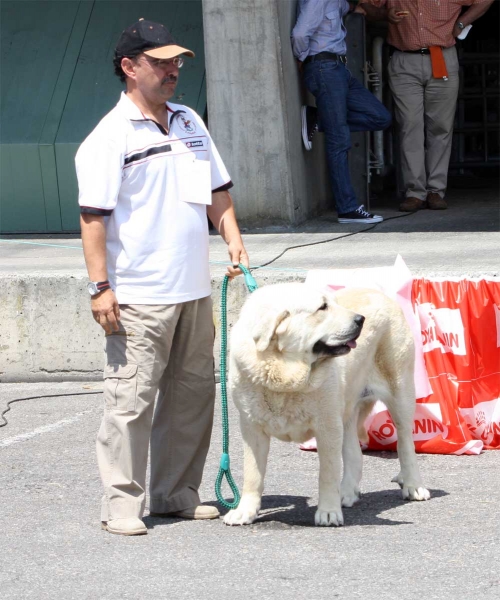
x=457 y=30
x=396 y=15
x=106 y=310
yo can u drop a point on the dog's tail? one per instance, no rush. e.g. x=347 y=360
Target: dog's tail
x=364 y=411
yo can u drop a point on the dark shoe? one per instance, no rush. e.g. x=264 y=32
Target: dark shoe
x=412 y=204
x=309 y=116
x=360 y=215
x=194 y=512
x=435 y=202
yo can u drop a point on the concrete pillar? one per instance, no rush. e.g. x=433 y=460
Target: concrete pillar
x=254 y=99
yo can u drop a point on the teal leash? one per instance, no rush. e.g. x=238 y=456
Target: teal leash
x=225 y=469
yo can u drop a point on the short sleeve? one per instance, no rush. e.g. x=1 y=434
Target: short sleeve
x=220 y=177
x=99 y=162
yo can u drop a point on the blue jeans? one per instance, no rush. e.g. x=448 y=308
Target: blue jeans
x=344 y=105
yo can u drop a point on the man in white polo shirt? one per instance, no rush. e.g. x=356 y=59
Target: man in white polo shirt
x=148 y=175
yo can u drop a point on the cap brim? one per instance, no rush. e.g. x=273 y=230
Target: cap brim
x=170 y=51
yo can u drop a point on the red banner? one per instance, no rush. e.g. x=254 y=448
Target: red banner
x=460 y=327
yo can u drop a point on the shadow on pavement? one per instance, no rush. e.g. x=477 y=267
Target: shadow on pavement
x=284 y=512
x=152 y=522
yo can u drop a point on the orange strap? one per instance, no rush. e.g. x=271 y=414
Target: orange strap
x=439 y=70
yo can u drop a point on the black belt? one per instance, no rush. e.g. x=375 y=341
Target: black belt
x=326 y=56
x=419 y=51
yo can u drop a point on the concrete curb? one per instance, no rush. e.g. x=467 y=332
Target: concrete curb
x=47 y=332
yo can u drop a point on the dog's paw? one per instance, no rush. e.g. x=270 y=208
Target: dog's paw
x=350 y=497
x=240 y=516
x=398 y=479
x=329 y=518
x=417 y=493
x=411 y=491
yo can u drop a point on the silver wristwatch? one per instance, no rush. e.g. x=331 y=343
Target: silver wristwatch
x=96 y=287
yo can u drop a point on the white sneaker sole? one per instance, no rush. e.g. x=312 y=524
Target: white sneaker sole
x=105 y=527
x=374 y=220
x=303 y=116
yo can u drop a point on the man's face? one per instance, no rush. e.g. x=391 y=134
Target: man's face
x=156 y=78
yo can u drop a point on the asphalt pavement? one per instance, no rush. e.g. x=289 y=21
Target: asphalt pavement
x=51 y=544
x=52 y=547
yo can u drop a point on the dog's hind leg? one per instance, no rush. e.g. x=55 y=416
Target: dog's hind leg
x=256 y=449
x=353 y=463
x=402 y=408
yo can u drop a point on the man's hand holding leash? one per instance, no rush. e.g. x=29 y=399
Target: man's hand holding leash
x=221 y=213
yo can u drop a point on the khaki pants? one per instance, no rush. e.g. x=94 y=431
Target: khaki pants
x=167 y=349
x=425 y=112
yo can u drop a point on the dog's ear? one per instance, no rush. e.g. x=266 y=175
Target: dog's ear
x=281 y=329
x=265 y=329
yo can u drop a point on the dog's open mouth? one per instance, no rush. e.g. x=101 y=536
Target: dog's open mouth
x=322 y=349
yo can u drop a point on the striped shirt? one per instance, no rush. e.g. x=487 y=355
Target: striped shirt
x=152 y=186
x=430 y=22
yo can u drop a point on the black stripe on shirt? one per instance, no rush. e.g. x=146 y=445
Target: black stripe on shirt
x=148 y=152
x=90 y=210
x=224 y=188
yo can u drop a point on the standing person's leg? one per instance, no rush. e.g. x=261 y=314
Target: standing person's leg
x=327 y=80
x=407 y=81
x=183 y=418
x=440 y=104
x=364 y=111
x=136 y=356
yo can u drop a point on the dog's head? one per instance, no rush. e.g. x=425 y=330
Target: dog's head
x=298 y=325
x=305 y=321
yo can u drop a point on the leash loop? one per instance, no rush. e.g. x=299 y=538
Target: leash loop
x=224 y=468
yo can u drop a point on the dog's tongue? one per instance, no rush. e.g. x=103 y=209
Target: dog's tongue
x=351 y=344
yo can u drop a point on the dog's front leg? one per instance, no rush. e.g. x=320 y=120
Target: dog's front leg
x=329 y=441
x=256 y=450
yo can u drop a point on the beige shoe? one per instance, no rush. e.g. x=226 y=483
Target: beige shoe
x=130 y=526
x=193 y=512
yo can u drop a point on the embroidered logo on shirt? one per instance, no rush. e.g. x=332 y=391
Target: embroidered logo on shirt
x=194 y=144
x=186 y=124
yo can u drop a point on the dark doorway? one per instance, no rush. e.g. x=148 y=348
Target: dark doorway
x=476 y=140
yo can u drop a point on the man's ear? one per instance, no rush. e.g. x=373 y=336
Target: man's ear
x=127 y=65
x=266 y=328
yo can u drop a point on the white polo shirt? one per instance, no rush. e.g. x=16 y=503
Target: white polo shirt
x=153 y=187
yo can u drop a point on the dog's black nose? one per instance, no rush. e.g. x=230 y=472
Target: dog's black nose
x=359 y=320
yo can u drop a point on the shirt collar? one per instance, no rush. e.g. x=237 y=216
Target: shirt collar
x=133 y=113
x=129 y=109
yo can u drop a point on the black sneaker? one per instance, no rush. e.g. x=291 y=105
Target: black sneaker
x=309 y=116
x=360 y=215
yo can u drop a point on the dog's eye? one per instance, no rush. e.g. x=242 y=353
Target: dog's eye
x=323 y=306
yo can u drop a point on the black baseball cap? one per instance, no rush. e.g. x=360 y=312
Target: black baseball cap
x=150 y=38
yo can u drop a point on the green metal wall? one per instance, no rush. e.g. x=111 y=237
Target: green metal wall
x=57 y=82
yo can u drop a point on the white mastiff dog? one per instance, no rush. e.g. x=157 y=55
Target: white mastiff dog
x=310 y=363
